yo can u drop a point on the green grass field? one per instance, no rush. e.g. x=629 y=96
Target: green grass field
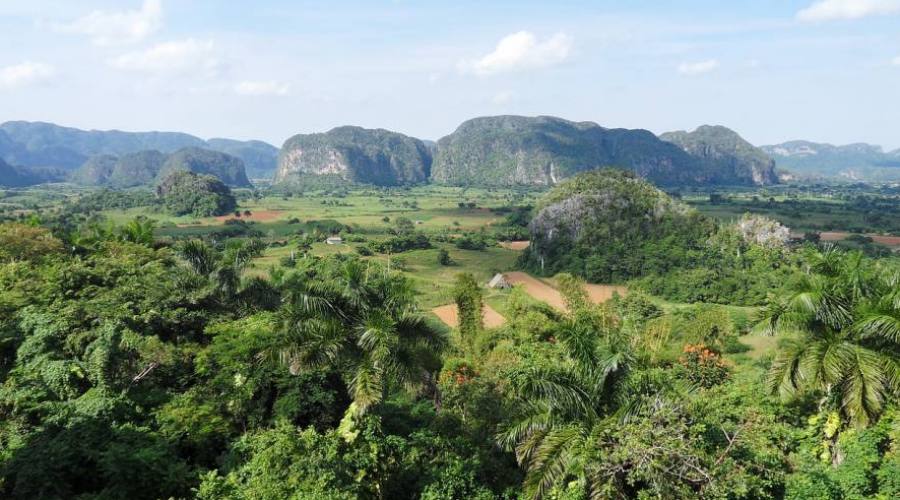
x=432 y=209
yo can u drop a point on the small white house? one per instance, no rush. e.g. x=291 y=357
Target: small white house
x=334 y=240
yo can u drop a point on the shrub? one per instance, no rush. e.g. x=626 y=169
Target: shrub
x=703 y=367
x=471 y=242
x=443 y=257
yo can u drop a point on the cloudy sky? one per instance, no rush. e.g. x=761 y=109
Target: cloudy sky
x=774 y=70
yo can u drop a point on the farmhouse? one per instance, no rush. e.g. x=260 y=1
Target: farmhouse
x=334 y=240
x=499 y=281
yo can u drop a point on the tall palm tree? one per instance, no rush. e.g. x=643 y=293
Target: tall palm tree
x=845 y=323
x=361 y=321
x=567 y=406
x=223 y=269
x=138 y=230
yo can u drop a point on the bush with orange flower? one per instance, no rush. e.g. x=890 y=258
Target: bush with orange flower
x=703 y=366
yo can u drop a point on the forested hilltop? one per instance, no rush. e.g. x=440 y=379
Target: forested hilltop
x=299 y=353
x=544 y=150
x=354 y=154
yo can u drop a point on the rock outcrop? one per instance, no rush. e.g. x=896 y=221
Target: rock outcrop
x=726 y=156
x=544 y=150
x=354 y=154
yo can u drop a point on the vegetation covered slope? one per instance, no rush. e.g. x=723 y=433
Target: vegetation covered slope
x=95 y=171
x=610 y=225
x=38 y=144
x=374 y=156
x=853 y=161
x=543 y=150
x=260 y=158
x=47 y=144
x=147 y=167
x=725 y=154
x=16 y=176
x=227 y=168
x=186 y=193
x=136 y=169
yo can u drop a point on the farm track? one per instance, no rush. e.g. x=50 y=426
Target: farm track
x=515 y=245
x=545 y=291
x=537 y=289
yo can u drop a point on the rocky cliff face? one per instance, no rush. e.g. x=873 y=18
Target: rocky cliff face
x=355 y=154
x=726 y=156
x=543 y=150
x=602 y=224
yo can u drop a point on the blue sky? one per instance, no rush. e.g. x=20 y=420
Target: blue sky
x=824 y=70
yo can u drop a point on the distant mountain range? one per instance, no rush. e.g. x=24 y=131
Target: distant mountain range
x=490 y=151
x=860 y=161
x=38 y=144
x=519 y=150
x=150 y=167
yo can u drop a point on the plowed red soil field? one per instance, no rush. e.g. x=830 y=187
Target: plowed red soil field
x=448 y=314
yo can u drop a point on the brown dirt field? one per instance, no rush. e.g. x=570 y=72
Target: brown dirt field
x=601 y=293
x=447 y=314
x=545 y=291
x=261 y=216
x=840 y=235
x=537 y=289
x=515 y=245
x=886 y=240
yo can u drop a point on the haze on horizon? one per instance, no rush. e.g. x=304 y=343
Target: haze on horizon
x=822 y=70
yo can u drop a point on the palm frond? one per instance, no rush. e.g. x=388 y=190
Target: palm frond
x=864 y=390
x=879 y=324
x=561 y=390
x=201 y=258
x=554 y=459
x=366 y=386
x=785 y=375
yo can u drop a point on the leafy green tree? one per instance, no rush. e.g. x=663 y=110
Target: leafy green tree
x=573 y=292
x=443 y=257
x=469 y=307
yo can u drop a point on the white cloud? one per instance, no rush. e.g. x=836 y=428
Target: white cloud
x=698 y=68
x=267 y=88
x=831 y=10
x=520 y=51
x=179 y=56
x=115 y=28
x=896 y=61
x=24 y=74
